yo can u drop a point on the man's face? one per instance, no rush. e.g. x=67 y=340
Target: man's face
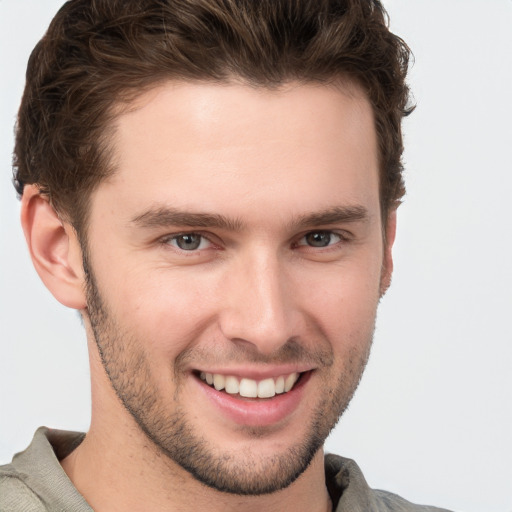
x=239 y=240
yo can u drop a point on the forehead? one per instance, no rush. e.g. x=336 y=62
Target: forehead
x=231 y=146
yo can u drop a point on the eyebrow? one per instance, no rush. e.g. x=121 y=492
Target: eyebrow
x=334 y=215
x=164 y=216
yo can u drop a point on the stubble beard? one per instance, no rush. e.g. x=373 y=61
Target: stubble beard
x=166 y=424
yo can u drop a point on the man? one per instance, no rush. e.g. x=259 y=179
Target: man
x=213 y=185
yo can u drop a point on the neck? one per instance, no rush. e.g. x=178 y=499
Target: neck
x=117 y=473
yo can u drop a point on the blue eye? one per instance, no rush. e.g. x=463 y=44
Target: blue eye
x=189 y=242
x=320 y=239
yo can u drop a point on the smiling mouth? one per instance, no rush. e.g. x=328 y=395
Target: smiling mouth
x=250 y=388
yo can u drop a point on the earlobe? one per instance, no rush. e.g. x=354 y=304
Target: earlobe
x=387 y=262
x=54 y=249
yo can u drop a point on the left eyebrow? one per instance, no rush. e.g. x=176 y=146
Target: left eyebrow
x=334 y=215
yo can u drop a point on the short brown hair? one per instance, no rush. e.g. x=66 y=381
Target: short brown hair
x=97 y=54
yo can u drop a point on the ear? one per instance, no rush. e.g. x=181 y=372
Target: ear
x=387 y=259
x=54 y=249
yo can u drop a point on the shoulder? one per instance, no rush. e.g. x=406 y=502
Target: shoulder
x=15 y=494
x=351 y=493
x=35 y=482
x=394 y=503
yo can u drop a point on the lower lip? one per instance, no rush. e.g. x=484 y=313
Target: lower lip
x=256 y=412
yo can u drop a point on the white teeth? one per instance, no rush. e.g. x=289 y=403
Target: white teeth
x=232 y=385
x=249 y=388
x=290 y=381
x=266 y=388
x=219 y=381
x=280 y=385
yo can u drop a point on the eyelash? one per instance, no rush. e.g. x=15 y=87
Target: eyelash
x=341 y=238
x=167 y=241
x=322 y=232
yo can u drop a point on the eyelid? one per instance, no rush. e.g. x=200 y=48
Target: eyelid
x=343 y=236
x=166 y=239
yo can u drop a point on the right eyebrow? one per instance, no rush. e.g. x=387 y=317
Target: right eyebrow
x=165 y=217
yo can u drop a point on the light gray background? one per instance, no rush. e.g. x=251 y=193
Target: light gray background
x=432 y=419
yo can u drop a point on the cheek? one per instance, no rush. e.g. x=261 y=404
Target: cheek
x=164 y=310
x=344 y=299
x=345 y=312
x=170 y=309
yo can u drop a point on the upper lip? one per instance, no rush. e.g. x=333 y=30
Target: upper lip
x=257 y=373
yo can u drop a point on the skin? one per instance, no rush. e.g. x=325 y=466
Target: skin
x=282 y=168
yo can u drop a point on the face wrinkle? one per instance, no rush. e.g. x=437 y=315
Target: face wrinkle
x=130 y=377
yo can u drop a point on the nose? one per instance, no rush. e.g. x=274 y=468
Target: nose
x=258 y=306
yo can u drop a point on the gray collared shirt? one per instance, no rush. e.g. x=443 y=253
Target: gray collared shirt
x=36 y=482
